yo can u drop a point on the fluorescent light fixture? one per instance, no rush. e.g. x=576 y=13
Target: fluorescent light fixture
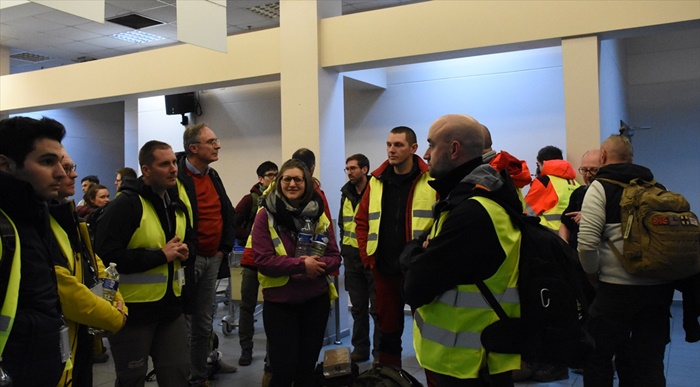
x=137 y=37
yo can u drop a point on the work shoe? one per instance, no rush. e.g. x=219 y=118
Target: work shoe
x=246 y=359
x=357 y=358
x=550 y=373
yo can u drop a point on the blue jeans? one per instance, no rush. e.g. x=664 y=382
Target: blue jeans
x=200 y=321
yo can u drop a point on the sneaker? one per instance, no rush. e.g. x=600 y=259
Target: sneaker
x=246 y=359
x=357 y=358
x=550 y=373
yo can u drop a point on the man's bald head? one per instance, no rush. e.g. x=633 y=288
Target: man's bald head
x=488 y=143
x=590 y=162
x=616 y=149
x=453 y=140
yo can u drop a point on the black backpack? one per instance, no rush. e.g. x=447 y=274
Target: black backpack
x=386 y=376
x=554 y=294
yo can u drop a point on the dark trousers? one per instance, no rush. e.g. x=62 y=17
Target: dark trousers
x=631 y=324
x=360 y=286
x=498 y=380
x=389 y=304
x=295 y=337
x=165 y=341
x=249 y=298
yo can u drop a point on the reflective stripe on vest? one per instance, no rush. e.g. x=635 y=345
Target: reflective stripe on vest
x=349 y=225
x=564 y=188
x=8 y=309
x=447 y=331
x=182 y=193
x=273 y=282
x=422 y=199
x=152 y=284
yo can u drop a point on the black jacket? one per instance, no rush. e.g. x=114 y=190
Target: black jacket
x=31 y=356
x=467 y=249
x=228 y=214
x=121 y=218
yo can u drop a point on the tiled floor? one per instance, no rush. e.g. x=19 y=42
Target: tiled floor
x=682 y=359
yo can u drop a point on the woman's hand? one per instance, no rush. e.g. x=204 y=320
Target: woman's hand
x=314 y=267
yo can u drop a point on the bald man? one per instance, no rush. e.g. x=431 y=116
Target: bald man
x=571 y=217
x=629 y=317
x=462 y=248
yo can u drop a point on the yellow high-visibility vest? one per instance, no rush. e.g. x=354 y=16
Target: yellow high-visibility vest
x=447 y=332
x=152 y=284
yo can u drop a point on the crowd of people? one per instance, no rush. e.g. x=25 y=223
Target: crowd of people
x=403 y=239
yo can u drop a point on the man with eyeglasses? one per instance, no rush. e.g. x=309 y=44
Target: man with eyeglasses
x=246 y=209
x=358 y=279
x=212 y=218
x=572 y=214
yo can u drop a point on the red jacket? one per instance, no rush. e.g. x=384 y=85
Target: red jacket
x=362 y=216
x=517 y=169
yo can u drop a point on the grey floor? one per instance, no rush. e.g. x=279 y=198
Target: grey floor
x=682 y=359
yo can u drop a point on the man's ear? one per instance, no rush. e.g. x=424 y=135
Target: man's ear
x=414 y=148
x=364 y=170
x=145 y=170
x=7 y=165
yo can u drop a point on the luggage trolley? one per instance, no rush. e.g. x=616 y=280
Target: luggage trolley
x=230 y=321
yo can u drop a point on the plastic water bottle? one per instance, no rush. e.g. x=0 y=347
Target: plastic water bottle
x=319 y=244
x=305 y=239
x=110 y=284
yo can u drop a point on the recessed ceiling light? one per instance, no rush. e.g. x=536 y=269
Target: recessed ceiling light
x=137 y=37
x=30 y=57
x=271 y=10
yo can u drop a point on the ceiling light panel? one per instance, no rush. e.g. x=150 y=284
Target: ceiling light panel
x=137 y=37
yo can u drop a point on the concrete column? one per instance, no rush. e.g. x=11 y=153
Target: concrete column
x=312 y=107
x=580 y=57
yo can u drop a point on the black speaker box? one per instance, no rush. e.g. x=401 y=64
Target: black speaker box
x=180 y=103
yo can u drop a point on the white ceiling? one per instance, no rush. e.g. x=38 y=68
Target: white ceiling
x=68 y=39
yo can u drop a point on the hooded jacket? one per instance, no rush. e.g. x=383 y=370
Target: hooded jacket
x=38 y=316
x=465 y=251
x=550 y=191
x=600 y=221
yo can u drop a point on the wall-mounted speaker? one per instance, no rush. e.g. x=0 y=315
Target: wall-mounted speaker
x=180 y=103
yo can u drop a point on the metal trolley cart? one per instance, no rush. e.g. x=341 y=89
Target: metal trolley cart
x=230 y=321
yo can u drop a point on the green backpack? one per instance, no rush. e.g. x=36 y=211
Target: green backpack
x=661 y=235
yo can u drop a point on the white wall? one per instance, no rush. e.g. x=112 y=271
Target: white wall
x=613 y=87
x=518 y=95
x=94 y=139
x=664 y=95
x=247 y=121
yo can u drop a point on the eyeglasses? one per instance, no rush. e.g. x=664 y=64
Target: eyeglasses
x=212 y=142
x=288 y=179
x=351 y=169
x=271 y=175
x=70 y=168
x=584 y=171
